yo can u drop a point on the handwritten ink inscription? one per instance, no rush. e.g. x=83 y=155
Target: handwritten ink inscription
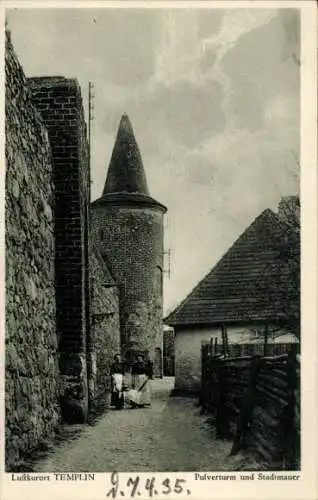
x=135 y=487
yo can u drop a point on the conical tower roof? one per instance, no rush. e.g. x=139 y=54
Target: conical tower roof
x=126 y=181
x=126 y=172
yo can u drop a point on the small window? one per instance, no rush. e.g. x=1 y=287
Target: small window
x=160 y=279
x=101 y=235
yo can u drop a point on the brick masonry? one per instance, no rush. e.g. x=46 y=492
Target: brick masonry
x=131 y=242
x=59 y=101
x=31 y=402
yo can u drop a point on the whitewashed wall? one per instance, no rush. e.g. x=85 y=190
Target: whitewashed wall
x=188 y=356
x=188 y=349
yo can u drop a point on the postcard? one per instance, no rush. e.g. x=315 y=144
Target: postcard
x=159 y=251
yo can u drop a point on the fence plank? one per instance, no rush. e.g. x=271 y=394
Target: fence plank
x=256 y=400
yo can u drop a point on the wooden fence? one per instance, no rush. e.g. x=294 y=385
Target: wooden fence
x=255 y=401
x=239 y=350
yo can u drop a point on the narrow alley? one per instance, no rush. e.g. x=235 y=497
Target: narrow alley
x=169 y=436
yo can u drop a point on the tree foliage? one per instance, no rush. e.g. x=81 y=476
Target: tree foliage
x=280 y=283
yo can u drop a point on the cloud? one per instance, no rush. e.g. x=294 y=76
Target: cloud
x=213 y=97
x=246 y=162
x=189 y=113
x=291 y=23
x=90 y=42
x=176 y=55
x=280 y=110
x=257 y=67
x=235 y=24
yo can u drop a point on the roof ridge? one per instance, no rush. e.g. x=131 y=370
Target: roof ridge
x=266 y=213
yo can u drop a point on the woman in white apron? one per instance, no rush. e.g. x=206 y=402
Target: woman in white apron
x=117 y=374
x=140 y=395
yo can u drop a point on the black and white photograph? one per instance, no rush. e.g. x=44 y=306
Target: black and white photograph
x=153 y=214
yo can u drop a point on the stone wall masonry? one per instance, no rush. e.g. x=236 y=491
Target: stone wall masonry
x=105 y=330
x=60 y=103
x=131 y=241
x=31 y=401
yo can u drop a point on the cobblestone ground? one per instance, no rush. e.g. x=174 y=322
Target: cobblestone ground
x=169 y=436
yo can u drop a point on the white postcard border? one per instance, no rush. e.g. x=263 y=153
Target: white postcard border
x=306 y=486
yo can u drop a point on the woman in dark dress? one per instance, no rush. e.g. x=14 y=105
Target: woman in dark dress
x=117 y=375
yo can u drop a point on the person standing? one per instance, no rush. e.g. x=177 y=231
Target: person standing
x=141 y=373
x=117 y=376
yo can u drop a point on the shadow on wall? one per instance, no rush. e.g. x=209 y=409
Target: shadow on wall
x=31 y=385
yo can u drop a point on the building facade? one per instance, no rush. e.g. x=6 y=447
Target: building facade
x=233 y=302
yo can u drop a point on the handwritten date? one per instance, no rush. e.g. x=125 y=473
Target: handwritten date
x=134 y=487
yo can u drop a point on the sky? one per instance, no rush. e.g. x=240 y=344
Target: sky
x=213 y=96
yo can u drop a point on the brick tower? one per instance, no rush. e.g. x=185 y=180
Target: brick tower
x=128 y=226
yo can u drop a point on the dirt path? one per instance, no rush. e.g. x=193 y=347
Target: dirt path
x=169 y=436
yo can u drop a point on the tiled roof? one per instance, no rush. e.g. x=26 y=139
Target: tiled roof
x=230 y=292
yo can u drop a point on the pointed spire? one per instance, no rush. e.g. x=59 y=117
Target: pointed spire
x=126 y=172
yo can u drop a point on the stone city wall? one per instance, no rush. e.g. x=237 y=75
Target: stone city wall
x=105 y=330
x=31 y=343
